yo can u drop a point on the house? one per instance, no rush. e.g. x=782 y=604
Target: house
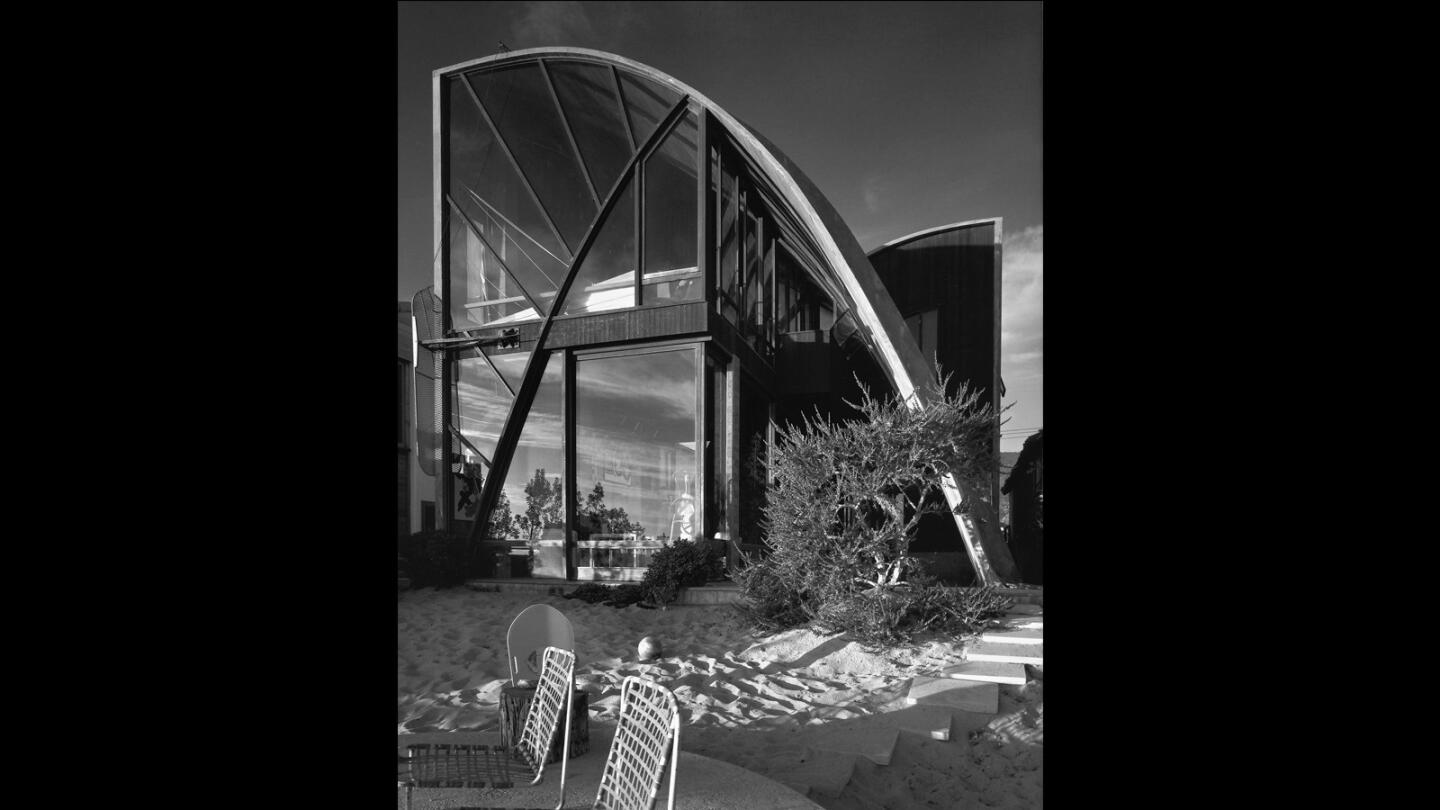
x=1026 y=488
x=633 y=287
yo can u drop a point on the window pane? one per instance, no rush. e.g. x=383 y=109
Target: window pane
x=606 y=278
x=485 y=186
x=729 y=274
x=534 y=483
x=482 y=292
x=647 y=103
x=671 y=268
x=523 y=110
x=587 y=92
x=482 y=403
x=754 y=299
x=635 y=449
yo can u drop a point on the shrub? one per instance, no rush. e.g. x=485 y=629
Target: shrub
x=678 y=565
x=612 y=596
x=591 y=592
x=844 y=502
x=436 y=559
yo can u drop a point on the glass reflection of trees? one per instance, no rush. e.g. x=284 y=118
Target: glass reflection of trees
x=635 y=426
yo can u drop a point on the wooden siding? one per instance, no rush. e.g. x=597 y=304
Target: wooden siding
x=953 y=272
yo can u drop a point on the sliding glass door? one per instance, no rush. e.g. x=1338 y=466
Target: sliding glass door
x=637 y=481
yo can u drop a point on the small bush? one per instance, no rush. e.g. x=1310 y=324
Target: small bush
x=436 y=559
x=625 y=595
x=682 y=564
x=617 y=596
x=591 y=592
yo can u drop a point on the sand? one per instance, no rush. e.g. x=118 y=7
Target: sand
x=771 y=704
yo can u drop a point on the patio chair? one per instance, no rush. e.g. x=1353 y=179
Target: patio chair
x=649 y=724
x=495 y=766
x=537 y=627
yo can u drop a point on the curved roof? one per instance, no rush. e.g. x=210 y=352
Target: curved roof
x=845 y=261
x=866 y=296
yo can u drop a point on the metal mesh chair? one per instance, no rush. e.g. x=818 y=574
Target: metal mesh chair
x=649 y=725
x=495 y=766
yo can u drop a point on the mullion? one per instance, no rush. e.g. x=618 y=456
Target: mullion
x=620 y=98
x=639 y=230
x=569 y=133
x=524 y=178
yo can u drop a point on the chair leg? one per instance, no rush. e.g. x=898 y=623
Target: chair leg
x=565 y=746
x=674 y=757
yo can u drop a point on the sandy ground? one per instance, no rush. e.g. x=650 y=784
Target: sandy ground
x=757 y=702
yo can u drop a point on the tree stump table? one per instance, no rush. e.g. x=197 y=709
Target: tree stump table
x=515 y=706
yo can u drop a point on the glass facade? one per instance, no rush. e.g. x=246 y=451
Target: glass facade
x=645 y=419
x=636 y=423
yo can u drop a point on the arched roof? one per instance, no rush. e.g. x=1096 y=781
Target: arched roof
x=898 y=355
x=845 y=261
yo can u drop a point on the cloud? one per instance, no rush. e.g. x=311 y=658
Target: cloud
x=870 y=192
x=1023 y=297
x=569 y=24
x=543 y=24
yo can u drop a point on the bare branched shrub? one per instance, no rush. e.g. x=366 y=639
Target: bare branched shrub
x=844 y=502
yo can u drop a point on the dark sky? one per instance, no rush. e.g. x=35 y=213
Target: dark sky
x=905 y=115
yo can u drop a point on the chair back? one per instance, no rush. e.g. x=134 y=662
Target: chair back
x=551 y=702
x=537 y=627
x=646 y=735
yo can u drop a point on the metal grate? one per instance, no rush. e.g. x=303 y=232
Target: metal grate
x=426 y=308
x=552 y=694
x=648 y=730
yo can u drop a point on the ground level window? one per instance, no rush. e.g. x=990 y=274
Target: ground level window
x=637 y=482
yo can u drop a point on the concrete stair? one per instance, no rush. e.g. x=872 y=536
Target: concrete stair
x=949 y=705
x=1006 y=653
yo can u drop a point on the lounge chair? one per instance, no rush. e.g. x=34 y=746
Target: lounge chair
x=537 y=627
x=495 y=766
x=648 y=730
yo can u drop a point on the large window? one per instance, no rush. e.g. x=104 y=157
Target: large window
x=671 y=272
x=637 y=478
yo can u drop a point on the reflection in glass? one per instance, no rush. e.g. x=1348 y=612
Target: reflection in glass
x=482 y=401
x=587 y=92
x=671 y=268
x=754 y=298
x=533 y=507
x=483 y=183
x=482 y=291
x=646 y=102
x=511 y=366
x=520 y=104
x=635 y=427
x=802 y=306
x=606 y=278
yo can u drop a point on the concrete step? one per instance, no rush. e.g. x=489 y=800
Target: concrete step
x=990 y=671
x=825 y=774
x=874 y=744
x=1006 y=653
x=971 y=696
x=1025 y=636
x=1021 y=622
x=1021 y=609
x=963 y=724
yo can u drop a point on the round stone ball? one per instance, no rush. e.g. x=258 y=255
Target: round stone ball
x=650 y=648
